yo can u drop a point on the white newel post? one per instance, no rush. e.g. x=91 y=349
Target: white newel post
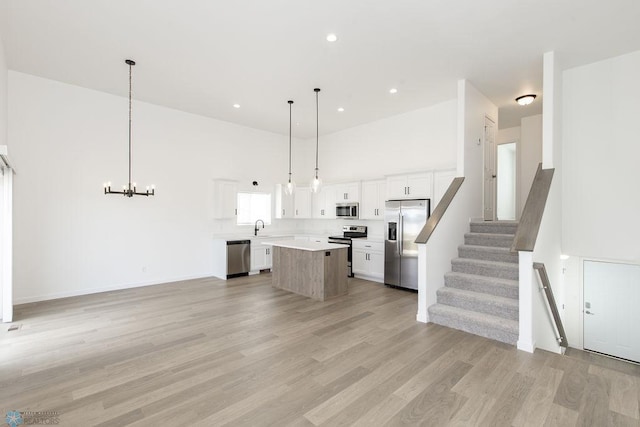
x=423 y=303
x=525 y=296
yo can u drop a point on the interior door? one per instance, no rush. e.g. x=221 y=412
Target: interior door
x=611 y=315
x=506 y=182
x=489 y=170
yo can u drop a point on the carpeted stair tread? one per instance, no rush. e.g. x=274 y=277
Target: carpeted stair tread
x=500 y=227
x=487 y=253
x=485 y=325
x=490 y=285
x=489 y=239
x=502 y=270
x=480 y=302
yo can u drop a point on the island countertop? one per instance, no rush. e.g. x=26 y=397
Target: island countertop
x=305 y=245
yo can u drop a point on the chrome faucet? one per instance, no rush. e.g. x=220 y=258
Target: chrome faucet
x=255 y=230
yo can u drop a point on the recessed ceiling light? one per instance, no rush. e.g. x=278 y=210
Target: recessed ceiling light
x=236 y=105
x=331 y=38
x=340 y=109
x=393 y=90
x=525 y=99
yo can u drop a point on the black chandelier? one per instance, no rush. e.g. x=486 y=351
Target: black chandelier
x=129 y=190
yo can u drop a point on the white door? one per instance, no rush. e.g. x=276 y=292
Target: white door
x=611 y=315
x=489 y=170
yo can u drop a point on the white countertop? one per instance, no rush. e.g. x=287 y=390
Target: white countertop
x=305 y=245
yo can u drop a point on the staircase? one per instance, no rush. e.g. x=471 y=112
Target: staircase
x=480 y=294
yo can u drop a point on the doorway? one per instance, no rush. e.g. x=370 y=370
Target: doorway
x=506 y=194
x=489 y=170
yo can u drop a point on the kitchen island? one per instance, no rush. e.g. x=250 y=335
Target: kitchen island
x=314 y=269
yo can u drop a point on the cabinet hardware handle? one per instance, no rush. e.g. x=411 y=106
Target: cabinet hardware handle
x=236 y=212
x=408 y=190
x=282 y=212
x=296 y=211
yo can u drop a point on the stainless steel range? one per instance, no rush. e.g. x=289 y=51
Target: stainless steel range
x=349 y=232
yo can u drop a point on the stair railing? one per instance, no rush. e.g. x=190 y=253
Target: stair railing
x=529 y=224
x=439 y=211
x=546 y=286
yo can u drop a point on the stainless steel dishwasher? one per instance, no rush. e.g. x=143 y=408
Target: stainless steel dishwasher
x=238 y=258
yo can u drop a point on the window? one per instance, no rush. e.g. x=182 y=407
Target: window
x=254 y=206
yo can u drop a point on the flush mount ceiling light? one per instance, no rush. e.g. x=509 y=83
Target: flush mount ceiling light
x=525 y=99
x=290 y=188
x=316 y=183
x=332 y=38
x=236 y=105
x=393 y=90
x=129 y=190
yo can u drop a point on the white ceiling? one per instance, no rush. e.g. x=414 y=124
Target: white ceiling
x=202 y=56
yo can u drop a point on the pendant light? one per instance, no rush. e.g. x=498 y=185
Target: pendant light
x=316 y=182
x=129 y=190
x=290 y=188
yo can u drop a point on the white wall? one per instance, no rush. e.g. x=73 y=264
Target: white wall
x=529 y=155
x=508 y=135
x=601 y=153
x=419 y=140
x=3 y=141
x=70 y=238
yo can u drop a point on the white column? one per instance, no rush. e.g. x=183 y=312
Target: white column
x=423 y=315
x=6 y=254
x=525 y=339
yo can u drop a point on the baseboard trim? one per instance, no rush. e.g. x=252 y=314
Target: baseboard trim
x=80 y=292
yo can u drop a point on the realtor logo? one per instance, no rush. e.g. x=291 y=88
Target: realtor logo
x=14 y=418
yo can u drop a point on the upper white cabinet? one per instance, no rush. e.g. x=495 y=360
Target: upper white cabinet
x=441 y=181
x=324 y=203
x=373 y=197
x=348 y=192
x=414 y=186
x=302 y=202
x=225 y=199
x=284 y=206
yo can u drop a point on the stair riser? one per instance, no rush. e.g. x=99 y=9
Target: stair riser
x=500 y=310
x=510 y=273
x=497 y=289
x=493 y=228
x=474 y=328
x=488 y=255
x=504 y=241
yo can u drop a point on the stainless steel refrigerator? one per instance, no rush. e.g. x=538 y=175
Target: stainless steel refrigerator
x=403 y=221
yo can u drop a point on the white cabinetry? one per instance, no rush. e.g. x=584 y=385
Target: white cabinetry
x=414 y=186
x=225 y=199
x=348 y=192
x=260 y=257
x=302 y=202
x=368 y=259
x=324 y=203
x=373 y=197
x=284 y=203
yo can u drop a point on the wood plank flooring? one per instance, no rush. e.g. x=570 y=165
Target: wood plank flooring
x=241 y=353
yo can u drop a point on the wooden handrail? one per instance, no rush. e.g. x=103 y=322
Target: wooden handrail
x=439 y=211
x=546 y=285
x=529 y=224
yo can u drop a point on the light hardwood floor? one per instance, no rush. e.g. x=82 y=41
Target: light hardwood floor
x=209 y=352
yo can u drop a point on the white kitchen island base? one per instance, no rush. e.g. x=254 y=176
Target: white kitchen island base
x=315 y=270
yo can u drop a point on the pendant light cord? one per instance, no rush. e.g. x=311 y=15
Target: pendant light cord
x=317 y=130
x=290 y=103
x=130 y=65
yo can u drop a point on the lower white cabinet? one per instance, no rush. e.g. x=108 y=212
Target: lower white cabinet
x=261 y=257
x=368 y=259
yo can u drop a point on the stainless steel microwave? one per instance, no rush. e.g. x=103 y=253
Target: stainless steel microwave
x=347 y=210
